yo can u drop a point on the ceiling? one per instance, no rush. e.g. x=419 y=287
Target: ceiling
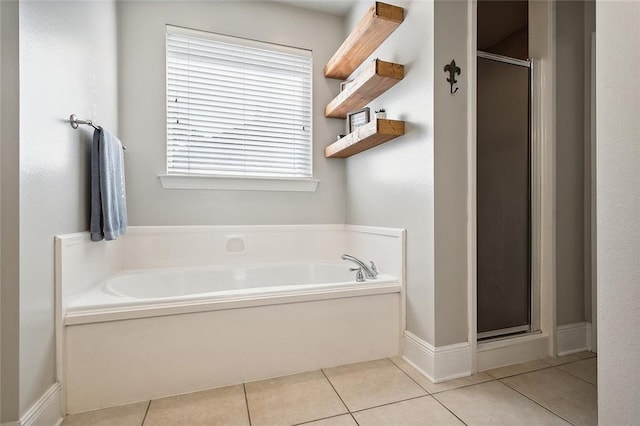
x=497 y=19
x=332 y=7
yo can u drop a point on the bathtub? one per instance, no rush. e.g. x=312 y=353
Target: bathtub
x=164 y=311
x=164 y=291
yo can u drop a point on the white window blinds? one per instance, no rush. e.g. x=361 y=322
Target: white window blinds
x=237 y=107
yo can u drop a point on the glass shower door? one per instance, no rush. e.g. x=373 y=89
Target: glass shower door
x=504 y=196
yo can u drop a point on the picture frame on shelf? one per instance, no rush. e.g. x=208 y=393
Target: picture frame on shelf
x=358 y=118
x=344 y=84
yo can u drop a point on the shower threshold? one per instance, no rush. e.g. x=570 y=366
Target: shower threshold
x=504 y=333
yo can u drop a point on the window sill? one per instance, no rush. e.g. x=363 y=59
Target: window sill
x=233 y=183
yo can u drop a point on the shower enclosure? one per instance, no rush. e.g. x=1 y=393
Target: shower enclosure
x=504 y=285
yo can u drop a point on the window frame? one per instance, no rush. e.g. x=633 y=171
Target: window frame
x=235 y=182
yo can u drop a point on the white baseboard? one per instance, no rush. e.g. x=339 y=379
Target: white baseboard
x=572 y=338
x=441 y=363
x=47 y=411
x=512 y=350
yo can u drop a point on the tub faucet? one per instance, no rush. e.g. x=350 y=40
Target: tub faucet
x=369 y=271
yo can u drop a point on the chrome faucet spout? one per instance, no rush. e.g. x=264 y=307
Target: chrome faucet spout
x=369 y=271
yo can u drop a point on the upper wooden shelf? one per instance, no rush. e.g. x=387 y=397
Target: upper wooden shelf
x=370 y=84
x=365 y=137
x=376 y=25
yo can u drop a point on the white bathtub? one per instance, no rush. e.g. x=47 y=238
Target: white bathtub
x=144 y=318
x=224 y=281
x=151 y=292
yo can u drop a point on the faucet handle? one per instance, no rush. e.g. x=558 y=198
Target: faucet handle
x=359 y=274
x=373 y=268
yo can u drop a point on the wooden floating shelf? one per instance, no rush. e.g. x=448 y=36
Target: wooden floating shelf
x=371 y=83
x=371 y=134
x=376 y=25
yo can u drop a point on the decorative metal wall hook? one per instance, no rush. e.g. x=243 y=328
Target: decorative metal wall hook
x=452 y=69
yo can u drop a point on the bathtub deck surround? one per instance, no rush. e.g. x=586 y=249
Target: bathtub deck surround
x=166 y=291
x=170 y=310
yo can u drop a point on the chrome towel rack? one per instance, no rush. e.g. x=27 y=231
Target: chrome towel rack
x=74 y=121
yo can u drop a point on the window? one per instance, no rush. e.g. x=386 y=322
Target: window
x=237 y=107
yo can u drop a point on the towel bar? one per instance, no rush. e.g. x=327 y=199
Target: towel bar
x=74 y=121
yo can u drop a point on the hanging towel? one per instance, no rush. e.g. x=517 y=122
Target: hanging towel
x=108 y=198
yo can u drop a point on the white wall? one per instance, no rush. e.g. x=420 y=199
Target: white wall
x=0 y=219
x=618 y=199
x=570 y=161
x=9 y=155
x=393 y=184
x=419 y=180
x=542 y=50
x=589 y=169
x=141 y=29
x=450 y=166
x=67 y=65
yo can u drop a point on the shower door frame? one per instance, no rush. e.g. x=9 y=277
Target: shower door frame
x=542 y=50
x=533 y=325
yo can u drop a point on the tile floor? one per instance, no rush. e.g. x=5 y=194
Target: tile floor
x=552 y=391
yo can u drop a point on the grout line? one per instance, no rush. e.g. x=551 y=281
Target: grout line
x=409 y=376
x=390 y=403
x=573 y=375
x=246 y=402
x=448 y=409
x=339 y=396
x=524 y=372
x=323 y=418
x=493 y=379
x=536 y=402
x=464 y=386
x=145 y=413
x=568 y=362
x=354 y=418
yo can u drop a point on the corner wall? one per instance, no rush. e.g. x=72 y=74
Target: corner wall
x=393 y=183
x=618 y=199
x=9 y=213
x=590 y=300
x=542 y=50
x=571 y=142
x=419 y=181
x=67 y=65
x=450 y=166
x=141 y=67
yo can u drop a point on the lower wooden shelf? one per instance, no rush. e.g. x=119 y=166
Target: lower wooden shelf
x=371 y=134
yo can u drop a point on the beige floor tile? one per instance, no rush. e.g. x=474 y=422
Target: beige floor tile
x=126 y=415
x=512 y=370
x=431 y=387
x=223 y=406
x=475 y=379
x=494 y=403
x=343 y=420
x=419 y=411
x=587 y=369
x=569 y=358
x=292 y=399
x=560 y=392
x=369 y=384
